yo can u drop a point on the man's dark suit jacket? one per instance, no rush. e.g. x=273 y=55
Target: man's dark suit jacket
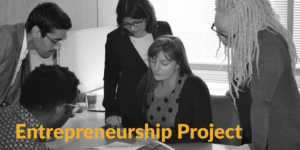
x=123 y=70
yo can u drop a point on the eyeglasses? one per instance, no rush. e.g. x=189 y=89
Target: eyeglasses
x=218 y=33
x=75 y=107
x=72 y=105
x=55 y=43
x=135 y=24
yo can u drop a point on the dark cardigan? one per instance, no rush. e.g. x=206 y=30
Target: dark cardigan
x=194 y=110
x=123 y=70
x=272 y=103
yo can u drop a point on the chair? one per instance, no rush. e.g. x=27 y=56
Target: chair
x=225 y=116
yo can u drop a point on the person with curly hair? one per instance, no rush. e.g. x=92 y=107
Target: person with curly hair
x=47 y=99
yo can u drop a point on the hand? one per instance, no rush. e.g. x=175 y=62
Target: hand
x=144 y=141
x=115 y=121
x=243 y=147
x=228 y=93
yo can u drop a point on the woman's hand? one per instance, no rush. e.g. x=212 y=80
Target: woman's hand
x=115 y=121
x=243 y=147
x=144 y=141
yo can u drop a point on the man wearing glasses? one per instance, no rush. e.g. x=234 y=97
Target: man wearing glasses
x=44 y=31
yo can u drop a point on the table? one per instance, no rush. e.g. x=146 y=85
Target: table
x=96 y=120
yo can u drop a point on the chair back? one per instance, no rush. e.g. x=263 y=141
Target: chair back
x=225 y=116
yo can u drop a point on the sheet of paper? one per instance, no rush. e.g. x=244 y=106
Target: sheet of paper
x=114 y=146
x=156 y=145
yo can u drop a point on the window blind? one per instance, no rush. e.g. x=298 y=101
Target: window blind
x=191 y=20
x=296 y=33
x=281 y=8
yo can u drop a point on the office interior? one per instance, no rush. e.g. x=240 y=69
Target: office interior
x=83 y=51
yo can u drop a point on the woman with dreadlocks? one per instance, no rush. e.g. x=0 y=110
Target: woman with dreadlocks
x=262 y=58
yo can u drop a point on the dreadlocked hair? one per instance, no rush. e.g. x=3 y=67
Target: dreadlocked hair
x=245 y=19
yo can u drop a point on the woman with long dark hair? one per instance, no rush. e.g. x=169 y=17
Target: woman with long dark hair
x=126 y=58
x=170 y=94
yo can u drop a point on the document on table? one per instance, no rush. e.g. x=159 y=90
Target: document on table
x=155 y=145
x=125 y=146
x=114 y=146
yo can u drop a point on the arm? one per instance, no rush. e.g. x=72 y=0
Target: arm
x=111 y=78
x=262 y=88
x=140 y=119
x=6 y=46
x=201 y=113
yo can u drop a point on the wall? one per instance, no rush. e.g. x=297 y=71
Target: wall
x=107 y=13
x=83 y=14
x=84 y=54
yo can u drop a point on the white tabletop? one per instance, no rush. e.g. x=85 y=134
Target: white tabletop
x=96 y=120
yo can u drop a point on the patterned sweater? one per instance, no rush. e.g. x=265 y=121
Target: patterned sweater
x=10 y=116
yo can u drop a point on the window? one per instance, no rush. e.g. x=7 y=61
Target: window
x=191 y=21
x=281 y=9
x=296 y=24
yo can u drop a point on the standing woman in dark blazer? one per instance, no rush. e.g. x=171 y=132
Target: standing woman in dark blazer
x=126 y=58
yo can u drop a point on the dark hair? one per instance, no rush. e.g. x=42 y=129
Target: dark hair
x=47 y=87
x=173 y=49
x=136 y=9
x=48 y=16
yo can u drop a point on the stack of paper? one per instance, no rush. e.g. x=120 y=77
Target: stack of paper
x=125 y=146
